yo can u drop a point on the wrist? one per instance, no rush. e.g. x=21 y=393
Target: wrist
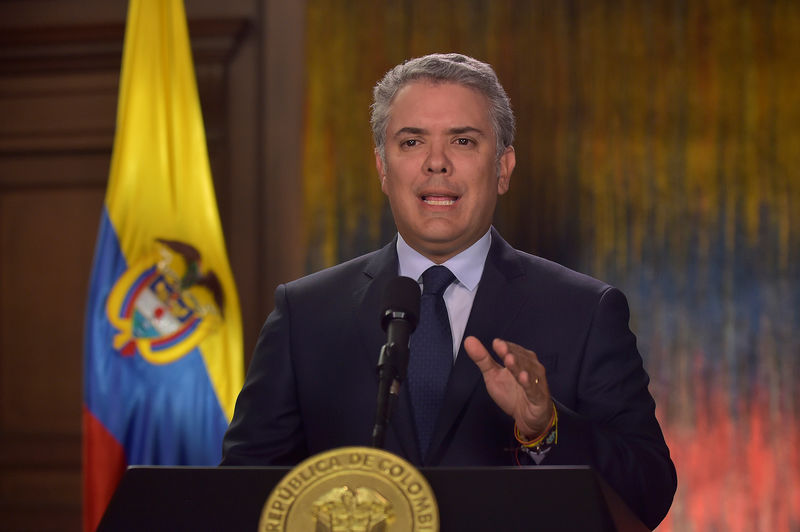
x=546 y=436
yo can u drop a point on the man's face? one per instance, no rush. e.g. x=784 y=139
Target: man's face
x=441 y=174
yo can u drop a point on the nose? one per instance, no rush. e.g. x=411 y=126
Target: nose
x=437 y=161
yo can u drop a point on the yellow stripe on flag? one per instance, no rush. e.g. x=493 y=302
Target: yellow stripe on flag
x=160 y=184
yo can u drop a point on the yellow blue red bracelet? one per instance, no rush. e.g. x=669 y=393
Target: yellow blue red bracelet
x=547 y=438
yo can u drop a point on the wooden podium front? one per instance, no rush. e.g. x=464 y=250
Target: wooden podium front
x=542 y=499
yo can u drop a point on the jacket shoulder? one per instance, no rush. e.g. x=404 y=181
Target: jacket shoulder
x=554 y=272
x=344 y=277
x=540 y=274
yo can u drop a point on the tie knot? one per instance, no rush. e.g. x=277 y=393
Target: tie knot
x=435 y=279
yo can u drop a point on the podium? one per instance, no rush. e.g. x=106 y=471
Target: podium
x=544 y=498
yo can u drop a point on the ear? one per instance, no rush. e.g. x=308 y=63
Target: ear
x=506 y=165
x=381 y=170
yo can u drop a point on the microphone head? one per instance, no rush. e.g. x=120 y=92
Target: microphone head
x=401 y=301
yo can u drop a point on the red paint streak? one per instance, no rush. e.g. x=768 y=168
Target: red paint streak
x=738 y=463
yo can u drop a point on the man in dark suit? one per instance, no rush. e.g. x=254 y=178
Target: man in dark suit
x=548 y=371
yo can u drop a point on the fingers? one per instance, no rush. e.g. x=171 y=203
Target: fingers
x=526 y=368
x=522 y=363
x=478 y=353
x=520 y=388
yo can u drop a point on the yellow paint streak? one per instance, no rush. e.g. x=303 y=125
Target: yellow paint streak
x=640 y=125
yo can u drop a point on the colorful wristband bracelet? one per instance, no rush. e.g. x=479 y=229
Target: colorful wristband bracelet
x=549 y=436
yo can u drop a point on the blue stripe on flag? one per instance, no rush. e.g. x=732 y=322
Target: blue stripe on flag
x=161 y=414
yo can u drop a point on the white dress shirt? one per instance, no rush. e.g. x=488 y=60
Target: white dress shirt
x=467 y=267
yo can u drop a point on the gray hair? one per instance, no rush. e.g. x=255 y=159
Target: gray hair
x=442 y=68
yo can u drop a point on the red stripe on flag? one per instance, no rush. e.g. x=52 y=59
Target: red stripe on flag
x=103 y=465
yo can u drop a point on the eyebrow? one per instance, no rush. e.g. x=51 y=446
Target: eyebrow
x=452 y=131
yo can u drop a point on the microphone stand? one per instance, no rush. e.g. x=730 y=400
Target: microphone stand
x=392 y=370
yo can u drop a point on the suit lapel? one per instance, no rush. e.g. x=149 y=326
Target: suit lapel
x=378 y=271
x=495 y=306
x=377 y=274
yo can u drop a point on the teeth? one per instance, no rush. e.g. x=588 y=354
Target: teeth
x=439 y=201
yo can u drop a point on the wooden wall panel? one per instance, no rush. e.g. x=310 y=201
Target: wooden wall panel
x=54 y=156
x=46 y=242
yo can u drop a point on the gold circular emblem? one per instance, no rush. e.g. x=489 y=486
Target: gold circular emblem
x=351 y=489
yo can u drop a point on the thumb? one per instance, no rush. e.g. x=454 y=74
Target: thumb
x=478 y=353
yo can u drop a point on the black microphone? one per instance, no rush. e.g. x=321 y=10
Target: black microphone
x=399 y=317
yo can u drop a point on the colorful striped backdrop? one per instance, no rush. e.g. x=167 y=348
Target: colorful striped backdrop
x=658 y=148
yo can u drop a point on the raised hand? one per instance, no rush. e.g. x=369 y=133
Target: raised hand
x=520 y=388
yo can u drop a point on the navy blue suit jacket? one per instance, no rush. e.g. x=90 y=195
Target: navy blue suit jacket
x=312 y=383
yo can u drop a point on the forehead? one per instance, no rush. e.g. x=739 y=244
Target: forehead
x=427 y=102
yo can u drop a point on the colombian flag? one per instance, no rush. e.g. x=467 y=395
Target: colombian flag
x=163 y=340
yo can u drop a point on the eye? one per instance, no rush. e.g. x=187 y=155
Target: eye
x=410 y=143
x=462 y=141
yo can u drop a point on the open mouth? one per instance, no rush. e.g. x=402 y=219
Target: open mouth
x=439 y=200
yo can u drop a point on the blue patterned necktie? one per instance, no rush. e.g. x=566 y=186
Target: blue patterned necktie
x=431 y=356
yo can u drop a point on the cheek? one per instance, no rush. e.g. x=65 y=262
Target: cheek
x=394 y=190
x=398 y=179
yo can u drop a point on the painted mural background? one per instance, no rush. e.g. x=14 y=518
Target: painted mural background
x=658 y=149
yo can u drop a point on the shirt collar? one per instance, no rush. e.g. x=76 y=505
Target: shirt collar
x=467 y=266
